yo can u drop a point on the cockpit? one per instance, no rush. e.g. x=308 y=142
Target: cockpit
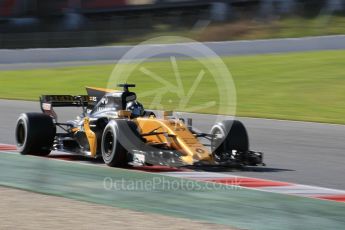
x=101 y=101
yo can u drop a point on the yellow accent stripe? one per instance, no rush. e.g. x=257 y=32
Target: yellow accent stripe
x=91 y=137
x=103 y=89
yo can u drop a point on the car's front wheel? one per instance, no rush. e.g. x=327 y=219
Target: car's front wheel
x=113 y=153
x=228 y=135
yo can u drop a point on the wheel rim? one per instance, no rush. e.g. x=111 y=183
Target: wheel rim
x=108 y=144
x=217 y=139
x=21 y=134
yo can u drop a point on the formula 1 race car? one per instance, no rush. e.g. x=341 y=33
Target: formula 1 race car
x=115 y=127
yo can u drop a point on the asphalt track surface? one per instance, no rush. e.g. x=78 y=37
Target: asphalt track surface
x=298 y=152
x=58 y=57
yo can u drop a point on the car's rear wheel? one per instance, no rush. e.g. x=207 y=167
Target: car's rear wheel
x=228 y=135
x=35 y=133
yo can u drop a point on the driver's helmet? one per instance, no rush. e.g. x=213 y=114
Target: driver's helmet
x=136 y=108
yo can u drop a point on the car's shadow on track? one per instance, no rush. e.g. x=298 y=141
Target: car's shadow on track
x=99 y=161
x=206 y=168
x=258 y=169
x=78 y=158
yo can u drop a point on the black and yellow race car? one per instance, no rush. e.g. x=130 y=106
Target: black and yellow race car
x=115 y=127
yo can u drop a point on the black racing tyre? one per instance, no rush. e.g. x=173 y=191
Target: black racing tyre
x=229 y=135
x=35 y=133
x=118 y=136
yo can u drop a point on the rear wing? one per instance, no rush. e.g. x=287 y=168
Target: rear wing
x=48 y=102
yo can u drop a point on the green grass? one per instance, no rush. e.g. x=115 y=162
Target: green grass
x=297 y=86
